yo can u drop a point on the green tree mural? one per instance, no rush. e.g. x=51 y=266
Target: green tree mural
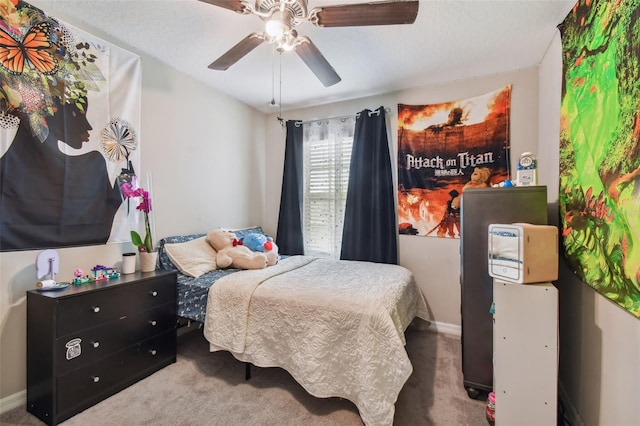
x=599 y=147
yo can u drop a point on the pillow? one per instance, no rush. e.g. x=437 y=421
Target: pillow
x=163 y=258
x=241 y=232
x=192 y=258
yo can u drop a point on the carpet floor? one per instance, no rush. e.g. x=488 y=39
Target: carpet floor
x=204 y=388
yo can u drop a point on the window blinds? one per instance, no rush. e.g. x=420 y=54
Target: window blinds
x=327 y=155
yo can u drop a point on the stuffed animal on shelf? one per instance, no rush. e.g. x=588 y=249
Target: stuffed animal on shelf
x=263 y=244
x=231 y=253
x=479 y=179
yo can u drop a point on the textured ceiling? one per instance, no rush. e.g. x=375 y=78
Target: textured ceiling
x=450 y=40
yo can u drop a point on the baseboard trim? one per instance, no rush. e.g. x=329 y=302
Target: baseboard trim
x=573 y=418
x=447 y=328
x=13 y=401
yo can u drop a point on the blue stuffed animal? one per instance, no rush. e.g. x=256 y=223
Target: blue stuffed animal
x=261 y=243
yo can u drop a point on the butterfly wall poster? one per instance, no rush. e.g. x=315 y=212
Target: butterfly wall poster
x=35 y=49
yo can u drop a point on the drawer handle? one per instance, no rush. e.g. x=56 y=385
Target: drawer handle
x=153 y=322
x=95 y=344
x=96 y=309
x=152 y=351
x=154 y=293
x=96 y=379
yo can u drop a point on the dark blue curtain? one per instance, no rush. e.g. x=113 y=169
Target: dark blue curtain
x=369 y=231
x=289 y=237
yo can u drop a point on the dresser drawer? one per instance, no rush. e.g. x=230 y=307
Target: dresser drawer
x=77 y=349
x=86 y=385
x=98 y=307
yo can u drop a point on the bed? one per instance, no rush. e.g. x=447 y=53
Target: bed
x=336 y=326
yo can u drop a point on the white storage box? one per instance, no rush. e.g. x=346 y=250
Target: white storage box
x=523 y=253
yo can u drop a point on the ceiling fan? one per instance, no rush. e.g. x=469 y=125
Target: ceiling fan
x=282 y=16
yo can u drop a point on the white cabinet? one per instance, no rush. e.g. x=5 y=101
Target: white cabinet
x=525 y=343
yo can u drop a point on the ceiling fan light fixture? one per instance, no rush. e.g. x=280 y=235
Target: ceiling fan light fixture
x=285 y=47
x=276 y=28
x=288 y=43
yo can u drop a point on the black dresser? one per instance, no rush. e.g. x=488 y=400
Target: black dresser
x=90 y=341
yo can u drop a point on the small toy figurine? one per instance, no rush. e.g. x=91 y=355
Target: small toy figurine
x=79 y=278
x=103 y=273
x=99 y=273
x=113 y=273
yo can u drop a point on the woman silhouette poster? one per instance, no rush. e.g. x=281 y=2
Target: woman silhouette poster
x=69 y=110
x=442 y=150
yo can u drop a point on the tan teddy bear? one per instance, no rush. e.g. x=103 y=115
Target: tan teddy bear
x=479 y=179
x=231 y=254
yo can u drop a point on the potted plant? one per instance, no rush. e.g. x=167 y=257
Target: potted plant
x=148 y=254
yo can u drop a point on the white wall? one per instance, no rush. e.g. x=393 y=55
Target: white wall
x=599 y=341
x=204 y=150
x=435 y=262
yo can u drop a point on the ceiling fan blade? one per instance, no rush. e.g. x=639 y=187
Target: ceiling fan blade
x=236 y=53
x=317 y=63
x=235 y=5
x=362 y=14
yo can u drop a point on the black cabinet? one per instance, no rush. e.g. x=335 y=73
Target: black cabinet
x=87 y=342
x=481 y=207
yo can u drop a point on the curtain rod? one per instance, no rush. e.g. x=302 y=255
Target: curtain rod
x=329 y=118
x=356 y=115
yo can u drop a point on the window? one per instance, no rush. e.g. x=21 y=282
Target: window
x=327 y=155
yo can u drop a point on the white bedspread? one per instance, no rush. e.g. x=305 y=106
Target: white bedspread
x=336 y=326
